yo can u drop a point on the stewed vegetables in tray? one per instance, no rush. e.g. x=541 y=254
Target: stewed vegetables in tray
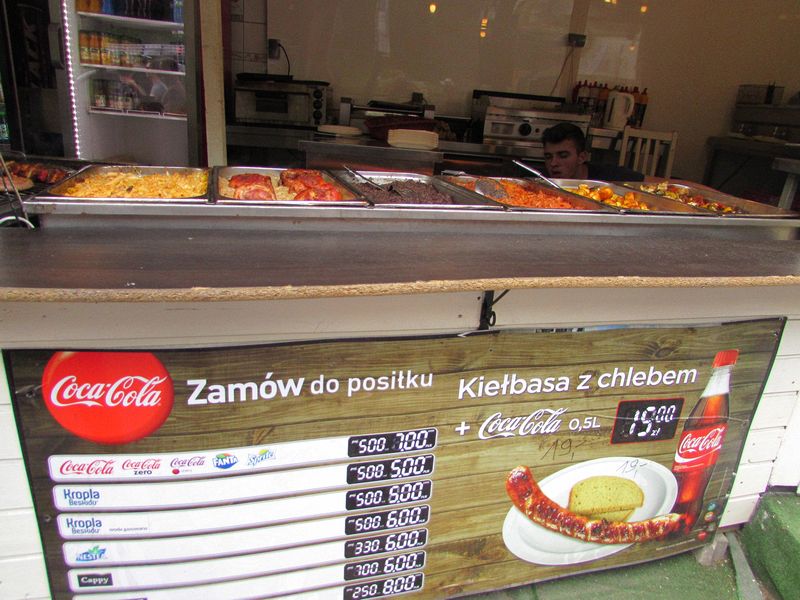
x=626 y=199
x=711 y=200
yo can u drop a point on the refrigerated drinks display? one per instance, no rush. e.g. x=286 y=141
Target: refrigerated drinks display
x=5 y=138
x=127 y=72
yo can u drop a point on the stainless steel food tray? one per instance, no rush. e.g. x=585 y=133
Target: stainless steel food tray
x=581 y=203
x=56 y=191
x=657 y=204
x=349 y=196
x=750 y=207
x=462 y=199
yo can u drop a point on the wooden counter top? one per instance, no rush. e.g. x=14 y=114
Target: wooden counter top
x=133 y=265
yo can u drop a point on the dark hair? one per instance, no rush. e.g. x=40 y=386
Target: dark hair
x=565 y=131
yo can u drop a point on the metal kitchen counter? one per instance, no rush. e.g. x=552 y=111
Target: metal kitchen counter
x=792 y=169
x=364 y=153
x=268 y=137
x=324 y=151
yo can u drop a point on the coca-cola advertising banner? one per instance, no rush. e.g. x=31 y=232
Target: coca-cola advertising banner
x=355 y=469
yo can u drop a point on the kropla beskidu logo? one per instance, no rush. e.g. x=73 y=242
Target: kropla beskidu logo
x=108 y=397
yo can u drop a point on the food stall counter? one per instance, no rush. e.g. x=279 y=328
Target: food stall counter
x=235 y=410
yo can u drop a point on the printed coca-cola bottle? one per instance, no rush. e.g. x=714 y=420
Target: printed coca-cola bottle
x=701 y=440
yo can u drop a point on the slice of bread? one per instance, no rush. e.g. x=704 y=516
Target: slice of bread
x=620 y=515
x=605 y=494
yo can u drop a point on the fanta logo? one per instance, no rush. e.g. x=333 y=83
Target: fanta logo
x=108 y=397
x=225 y=461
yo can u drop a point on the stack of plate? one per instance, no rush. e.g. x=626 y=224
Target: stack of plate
x=416 y=139
x=343 y=130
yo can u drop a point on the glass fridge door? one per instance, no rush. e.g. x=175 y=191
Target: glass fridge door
x=127 y=74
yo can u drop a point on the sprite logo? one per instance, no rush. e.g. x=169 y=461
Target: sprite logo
x=263 y=454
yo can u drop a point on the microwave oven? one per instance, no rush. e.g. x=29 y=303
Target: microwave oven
x=268 y=102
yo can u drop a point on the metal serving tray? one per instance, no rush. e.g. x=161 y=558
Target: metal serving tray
x=57 y=191
x=750 y=207
x=657 y=204
x=461 y=198
x=349 y=197
x=581 y=203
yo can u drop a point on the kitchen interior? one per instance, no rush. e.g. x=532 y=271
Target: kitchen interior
x=489 y=76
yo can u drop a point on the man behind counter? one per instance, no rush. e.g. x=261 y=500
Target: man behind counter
x=565 y=157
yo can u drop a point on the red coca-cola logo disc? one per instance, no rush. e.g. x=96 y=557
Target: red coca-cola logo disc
x=108 y=397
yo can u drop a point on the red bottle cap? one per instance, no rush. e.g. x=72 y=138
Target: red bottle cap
x=725 y=358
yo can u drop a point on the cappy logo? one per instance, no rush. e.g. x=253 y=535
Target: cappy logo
x=108 y=397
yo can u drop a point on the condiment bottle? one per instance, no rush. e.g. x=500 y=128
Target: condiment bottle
x=642 y=107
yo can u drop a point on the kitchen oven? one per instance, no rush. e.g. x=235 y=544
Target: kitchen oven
x=518 y=127
x=262 y=101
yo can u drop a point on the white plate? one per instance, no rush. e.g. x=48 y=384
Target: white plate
x=344 y=130
x=535 y=544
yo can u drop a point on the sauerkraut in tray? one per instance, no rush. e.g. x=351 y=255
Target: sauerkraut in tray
x=135 y=182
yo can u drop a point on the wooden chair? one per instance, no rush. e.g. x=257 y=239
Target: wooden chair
x=648 y=152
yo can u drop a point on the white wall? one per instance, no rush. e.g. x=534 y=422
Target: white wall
x=691 y=55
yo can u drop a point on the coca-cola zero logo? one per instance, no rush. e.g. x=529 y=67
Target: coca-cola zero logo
x=147 y=464
x=108 y=397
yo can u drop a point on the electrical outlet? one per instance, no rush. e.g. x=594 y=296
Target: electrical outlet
x=576 y=40
x=273 y=48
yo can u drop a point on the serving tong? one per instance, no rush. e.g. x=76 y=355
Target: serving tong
x=490 y=188
x=389 y=188
x=538 y=174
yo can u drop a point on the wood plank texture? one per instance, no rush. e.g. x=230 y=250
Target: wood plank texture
x=466 y=550
x=141 y=264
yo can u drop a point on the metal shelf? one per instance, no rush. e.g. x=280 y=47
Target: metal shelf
x=132 y=21
x=134 y=69
x=136 y=113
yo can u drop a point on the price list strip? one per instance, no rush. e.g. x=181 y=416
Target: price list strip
x=202 y=463
x=229 y=461
x=241 y=567
x=270 y=586
x=205 y=492
x=151 y=551
x=238 y=516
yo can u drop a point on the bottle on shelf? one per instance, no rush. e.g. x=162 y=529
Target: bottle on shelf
x=583 y=95
x=600 y=109
x=4 y=133
x=177 y=11
x=99 y=93
x=575 y=89
x=594 y=90
x=637 y=98
x=95 y=47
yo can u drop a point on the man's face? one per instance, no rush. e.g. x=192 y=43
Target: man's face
x=563 y=159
